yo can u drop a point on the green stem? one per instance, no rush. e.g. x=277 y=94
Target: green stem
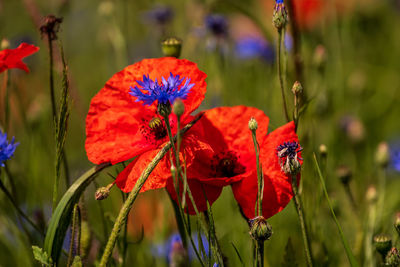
x=122 y=216
x=74 y=229
x=260 y=253
x=299 y=208
x=350 y=256
x=280 y=75
x=51 y=77
x=259 y=174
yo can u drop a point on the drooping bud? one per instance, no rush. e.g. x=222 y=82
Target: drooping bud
x=280 y=15
x=178 y=107
x=382 y=155
x=393 y=258
x=344 y=174
x=50 y=27
x=103 y=192
x=297 y=88
x=253 y=125
x=164 y=109
x=383 y=243
x=171 y=47
x=5 y=43
x=260 y=229
x=323 y=150
x=397 y=223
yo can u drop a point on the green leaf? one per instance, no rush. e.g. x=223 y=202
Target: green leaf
x=62 y=215
x=289 y=259
x=41 y=256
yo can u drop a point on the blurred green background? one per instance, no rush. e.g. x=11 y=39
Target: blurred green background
x=350 y=53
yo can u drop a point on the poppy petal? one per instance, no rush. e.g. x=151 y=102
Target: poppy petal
x=12 y=58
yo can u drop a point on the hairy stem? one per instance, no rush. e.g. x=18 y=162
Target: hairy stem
x=280 y=75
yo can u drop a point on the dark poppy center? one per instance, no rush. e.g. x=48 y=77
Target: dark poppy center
x=226 y=164
x=157 y=128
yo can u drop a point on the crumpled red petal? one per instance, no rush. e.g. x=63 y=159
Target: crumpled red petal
x=226 y=129
x=277 y=186
x=114 y=119
x=201 y=193
x=12 y=58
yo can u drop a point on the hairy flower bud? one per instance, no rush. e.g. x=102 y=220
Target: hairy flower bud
x=344 y=173
x=253 y=125
x=171 y=47
x=260 y=229
x=297 y=88
x=393 y=258
x=5 y=44
x=371 y=195
x=178 y=107
x=382 y=155
x=103 y=192
x=164 y=109
x=383 y=243
x=323 y=150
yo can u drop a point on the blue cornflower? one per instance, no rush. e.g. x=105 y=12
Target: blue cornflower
x=254 y=47
x=279 y=1
x=164 y=93
x=160 y=14
x=289 y=149
x=217 y=24
x=6 y=149
x=395 y=156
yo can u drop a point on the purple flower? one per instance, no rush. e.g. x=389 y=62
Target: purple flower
x=395 y=156
x=6 y=149
x=217 y=24
x=160 y=15
x=253 y=48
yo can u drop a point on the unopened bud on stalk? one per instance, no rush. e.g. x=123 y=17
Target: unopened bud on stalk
x=280 y=15
x=344 y=173
x=103 y=192
x=164 y=109
x=178 y=107
x=173 y=170
x=382 y=155
x=253 y=125
x=393 y=258
x=397 y=223
x=371 y=195
x=260 y=229
x=171 y=47
x=5 y=44
x=320 y=56
x=297 y=88
x=383 y=243
x=323 y=150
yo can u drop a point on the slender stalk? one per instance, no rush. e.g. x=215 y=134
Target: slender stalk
x=259 y=174
x=122 y=216
x=51 y=77
x=74 y=229
x=9 y=196
x=350 y=256
x=280 y=75
x=260 y=253
x=299 y=208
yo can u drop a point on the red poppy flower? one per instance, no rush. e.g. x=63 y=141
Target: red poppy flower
x=12 y=58
x=233 y=161
x=123 y=121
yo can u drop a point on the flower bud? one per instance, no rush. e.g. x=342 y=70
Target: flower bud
x=164 y=109
x=178 y=107
x=397 y=223
x=323 y=150
x=372 y=195
x=171 y=47
x=297 y=88
x=393 y=258
x=173 y=170
x=103 y=192
x=280 y=15
x=260 y=229
x=383 y=243
x=5 y=44
x=253 y=125
x=382 y=156
x=344 y=174
x=320 y=56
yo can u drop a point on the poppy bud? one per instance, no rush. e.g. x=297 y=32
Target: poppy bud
x=382 y=155
x=393 y=258
x=103 y=192
x=253 y=125
x=178 y=107
x=260 y=229
x=344 y=174
x=280 y=15
x=383 y=243
x=397 y=223
x=323 y=150
x=297 y=88
x=5 y=44
x=164 y=109
x=171 y=47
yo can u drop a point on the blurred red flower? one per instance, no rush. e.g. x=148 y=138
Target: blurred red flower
x=120 y=126
x=12 y=58
x=233 y=160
